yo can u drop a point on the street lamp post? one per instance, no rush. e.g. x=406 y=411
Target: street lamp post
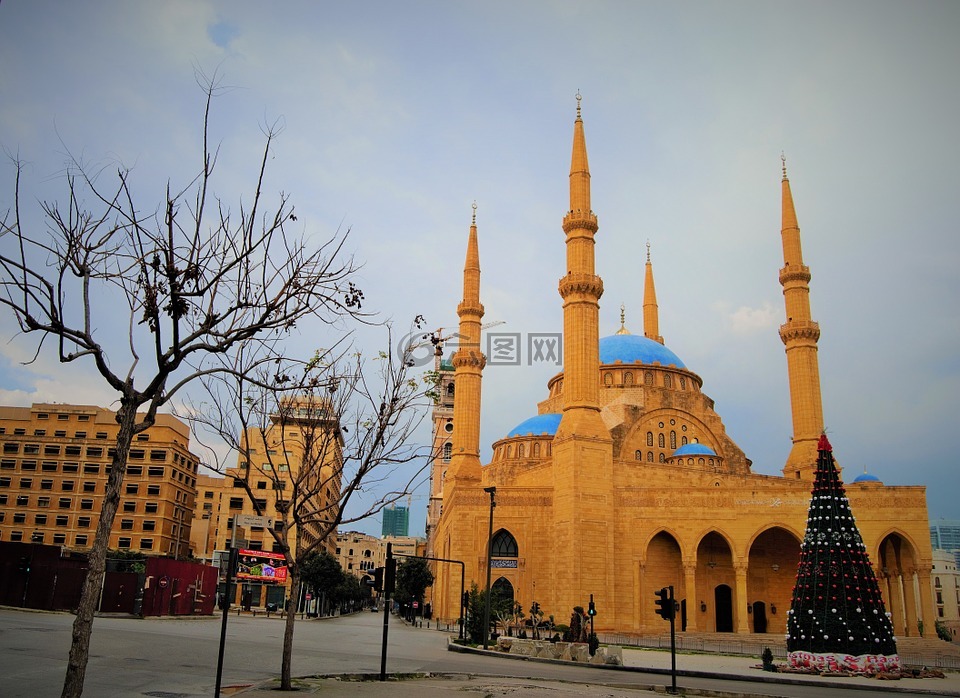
x=486 y=612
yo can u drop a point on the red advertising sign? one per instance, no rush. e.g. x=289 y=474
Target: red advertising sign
x=261 y=565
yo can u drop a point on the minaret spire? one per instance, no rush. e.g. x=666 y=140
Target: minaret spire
x=799 y=334
x=468 y=362
x=651 y=314
x=581 y=289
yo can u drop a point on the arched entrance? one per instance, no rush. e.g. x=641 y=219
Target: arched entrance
x=714 y=569
x=771 y=573
x=897 y=576
x=723 y=603
x=759 y=617
x=502 y=592
x=663 y=568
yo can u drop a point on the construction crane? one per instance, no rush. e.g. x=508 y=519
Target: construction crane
x=437 y=339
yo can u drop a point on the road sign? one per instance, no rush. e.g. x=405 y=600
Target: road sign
x=250 y=520
x=163 y=582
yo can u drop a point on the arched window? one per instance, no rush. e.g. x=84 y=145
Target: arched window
x=447 y=452
x=673 y=439
x=638 y=455
x=663 y=458
x=549 y=449
x=521 y=451
x=536 y=450
x=503 y=544
x=700 y=461
x=647 y=378
x=661 y=442
x=650 y=456
x=450 y=389
x=502 y=589
x=649 y=438
x=608 y=379
x=683 y=440
x=683 y=383
x=628 y=378
x=509 y=451
x=667 y=380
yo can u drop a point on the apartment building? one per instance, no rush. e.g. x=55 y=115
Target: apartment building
x=53 y=476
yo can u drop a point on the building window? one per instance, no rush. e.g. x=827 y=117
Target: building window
x=26 y=483
x=130 y=505
x=19 y=518
x=132 y=488
x=638 y=455
x=673 y=439
x=46 y=484
x=683 y=440
x=137 y=453
x=153 y=490
x=649 y=438
x=158 y=455
x=647 y=378
x=663 y=458
x=536 y=450
x=71 y=451
x=23 y=500
x=155 y=471
x=650 y=456
x=149 y=525
x=62 y=520
x=59 y=538
x=64 y=502
x=28 y=465
x=94 y=451
x=71 y=467
x=667 y=380
x=68 y=485
x=504 y=544
x=126 y=524
x=447 y=452
x=683 y=383
x=43 y=502
x=51 y=450
x=91 y=468
x=16 y=535
x=236 y=502
x=81 y=539
x=661 y=442
x=8 y=464
x=123 y=543
x=37 y=537
x=83 y=522
x=11 y=448
x=89 y=486
x=146 y=544
x=4 y=482
x=86 y=504
x=135 y=470
x=150 y=507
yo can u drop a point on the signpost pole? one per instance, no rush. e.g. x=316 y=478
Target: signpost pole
x=227 y=594
x=386 y=615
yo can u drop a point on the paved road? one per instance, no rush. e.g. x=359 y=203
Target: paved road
x=177 y=658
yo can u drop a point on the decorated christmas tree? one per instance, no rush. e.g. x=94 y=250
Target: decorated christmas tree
x=837 y=621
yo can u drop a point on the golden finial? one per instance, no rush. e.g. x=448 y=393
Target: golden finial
x=578 y=104
x=623 y=321
x=648 y=252
x=783 y=161
x=474 y=221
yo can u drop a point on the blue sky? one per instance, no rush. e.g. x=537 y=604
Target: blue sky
x=397 y=116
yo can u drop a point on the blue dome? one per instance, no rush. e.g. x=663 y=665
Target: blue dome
x=696 y=449
x=866 y=477
x=630 y=348
x=535 y=426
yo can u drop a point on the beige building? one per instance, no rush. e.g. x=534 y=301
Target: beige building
x=358 y=553
x=53 y=475
x=293 y=462
x=946 y=590
x=625 y=480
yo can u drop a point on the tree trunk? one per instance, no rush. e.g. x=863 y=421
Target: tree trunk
x=97 y=559
x=285 y=679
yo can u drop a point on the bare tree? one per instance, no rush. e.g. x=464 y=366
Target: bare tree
x=190 y=280
x=317 y=434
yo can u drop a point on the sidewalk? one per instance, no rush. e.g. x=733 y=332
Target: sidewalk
x=691 y=665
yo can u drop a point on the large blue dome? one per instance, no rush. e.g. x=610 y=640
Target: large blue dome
x=535 y=426
x=694 y=449
x=630 y=348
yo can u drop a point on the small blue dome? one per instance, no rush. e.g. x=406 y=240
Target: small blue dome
x=535 y=426
x=630 y=348
x=866 y=477
x=695 y=449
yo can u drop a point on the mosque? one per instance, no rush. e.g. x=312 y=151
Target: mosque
x=625 y=481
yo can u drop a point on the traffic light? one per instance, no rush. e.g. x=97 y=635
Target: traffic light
x=466 y=599
x=665 y=603
x=592 y=609
x=376 y=580
x=390 y=577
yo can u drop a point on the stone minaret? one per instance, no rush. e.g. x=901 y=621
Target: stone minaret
x=582 y=448
x=799 y=335
x=468 y=363
x=651 y=314
x=580 y=289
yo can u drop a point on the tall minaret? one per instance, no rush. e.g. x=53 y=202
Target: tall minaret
x=582 y=447
x=468 y=363
x=799 y=335
x=651 y=315
x=581 y=289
